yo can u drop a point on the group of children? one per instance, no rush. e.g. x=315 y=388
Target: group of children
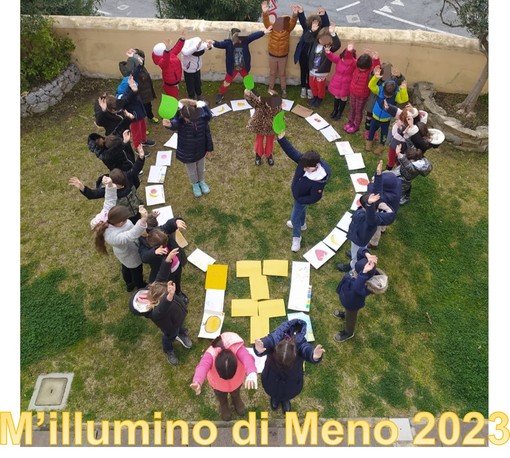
x=136 y=237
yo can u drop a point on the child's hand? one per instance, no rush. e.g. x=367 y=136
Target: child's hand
x=268 y=30
x=166 y=123
x=107 y=181
x=208 y=154
x=251 y=381
x=315 y=26
x=265 y=7
x=395 y=71
x=259 y=346
x=377 y=72
x=373 y=198
x=386 y=106
x=143 y=212
x=132 y=83
x=247 y=92
x=196 y=387
x=300 y=8
x=398 y=150
x=368 y=266
x=327 y=49
x=379 y=168
x=281 y=134
x=321 y=11
x=172 y=254
x=350 y=46
x=332 y=28
x=318 y=352
x=74 y=181
x=141 y=152
x=130 y=52
x=102 y=103
x=375 y=55
x=294 y=9
x=404 y=84
x=181 y=225
x=126 y=136
x=161 y=250
x=129 y=115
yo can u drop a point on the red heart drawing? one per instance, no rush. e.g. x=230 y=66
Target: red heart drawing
x=362 y=181
x=358 y=203
x=164 y=156
x=320 y=254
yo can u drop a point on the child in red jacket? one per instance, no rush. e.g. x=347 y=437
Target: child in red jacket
x=171 y=68
x=359 y=91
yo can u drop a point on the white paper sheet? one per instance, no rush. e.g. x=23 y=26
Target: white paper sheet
x=221 y=109
x=319 y=255
x=317 y=121
x=360 y=182
x=164 y=158
x=214 y=300
x=157 y=174
x=355 y=202
x=154 y=194
x=200 y=259
x=345 y=221
x=165 y=213
x=344 y=148
x=207 y=315
x=330 y=133
x=239 y=105
x=287 y=104
x=335 y=239
x=172 y=142
x=355 y=161
x=299 y=286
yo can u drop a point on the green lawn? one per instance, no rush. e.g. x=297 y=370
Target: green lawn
x=423 y=346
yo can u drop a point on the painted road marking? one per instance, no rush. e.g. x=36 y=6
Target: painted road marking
x=348 y=6
x=386 y=9
x=104 y=13
x=421 y=26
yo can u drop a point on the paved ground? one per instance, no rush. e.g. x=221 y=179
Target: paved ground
x=277 y=435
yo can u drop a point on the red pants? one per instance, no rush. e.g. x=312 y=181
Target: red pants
x=171 y=90
x=138 y=130
x=392 y=157
x=260 y=150
x=318 y=86
x=230 y=78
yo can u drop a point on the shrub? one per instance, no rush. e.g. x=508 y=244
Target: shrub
x=213 y=10
x=60 y=7
x=43 y=53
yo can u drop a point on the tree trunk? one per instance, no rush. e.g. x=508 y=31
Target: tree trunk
x=467 y=106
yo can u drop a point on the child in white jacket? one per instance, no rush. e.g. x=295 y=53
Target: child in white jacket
x=192 y=53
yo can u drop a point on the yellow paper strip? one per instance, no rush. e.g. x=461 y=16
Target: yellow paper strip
x=216 y=276
x=248 y=268
x=244 y=307
x=272 y=308
x=259 y=327
x=259 y=288
x=276 y=267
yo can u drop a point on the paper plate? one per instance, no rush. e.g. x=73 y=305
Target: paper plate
x=436 y=136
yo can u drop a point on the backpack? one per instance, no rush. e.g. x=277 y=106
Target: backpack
x=378 y=284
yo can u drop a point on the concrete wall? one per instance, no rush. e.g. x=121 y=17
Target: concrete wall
x=452 y=63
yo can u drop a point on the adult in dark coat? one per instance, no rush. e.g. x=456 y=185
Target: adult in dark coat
x=115 y=152
x=160 y=303
x=157 y=243
x=352 y=291
x=286 y=349
x=194 y=141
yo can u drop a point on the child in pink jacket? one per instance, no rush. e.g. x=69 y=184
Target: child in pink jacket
x=340 y=83
x=359 y=91
x=226 y=364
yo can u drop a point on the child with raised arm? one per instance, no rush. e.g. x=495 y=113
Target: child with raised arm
x=166 y=57
x=287 y=349
x=278 y=46
x=261 y=124
x=192 y=52
x=311 y=25
x=340 y=83
x=237 y=56
x=227 y=365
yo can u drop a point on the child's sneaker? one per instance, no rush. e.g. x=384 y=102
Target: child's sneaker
x=290 y=226
x=296 y=244
x=352 y=129
x=309 y=93
x=203 y=187
x=270 y=160
x=284 y=93
x=347 y=126
x=219 y=98
x=155 y=120
x=197 y=192
x=303 y=92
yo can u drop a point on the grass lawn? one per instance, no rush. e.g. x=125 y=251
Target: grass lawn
x=423 y=346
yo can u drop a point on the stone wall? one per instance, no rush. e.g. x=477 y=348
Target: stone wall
x=39 y=100
x=455 y=133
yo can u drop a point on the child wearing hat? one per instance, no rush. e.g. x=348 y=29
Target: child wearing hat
x=261 y=124
x=352 y=292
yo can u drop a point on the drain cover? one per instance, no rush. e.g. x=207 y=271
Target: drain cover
x=51 y=392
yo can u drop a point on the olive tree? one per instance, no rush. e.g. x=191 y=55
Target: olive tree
x=211 y=10
x=473 y=15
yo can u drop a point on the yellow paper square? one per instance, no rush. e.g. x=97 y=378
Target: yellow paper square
x=179 y=238
x=259 y=288
x=216 y=276
x=244 y=307
x=259 y=327
x=272 y=308
x=276 y=267
x=248 y=268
